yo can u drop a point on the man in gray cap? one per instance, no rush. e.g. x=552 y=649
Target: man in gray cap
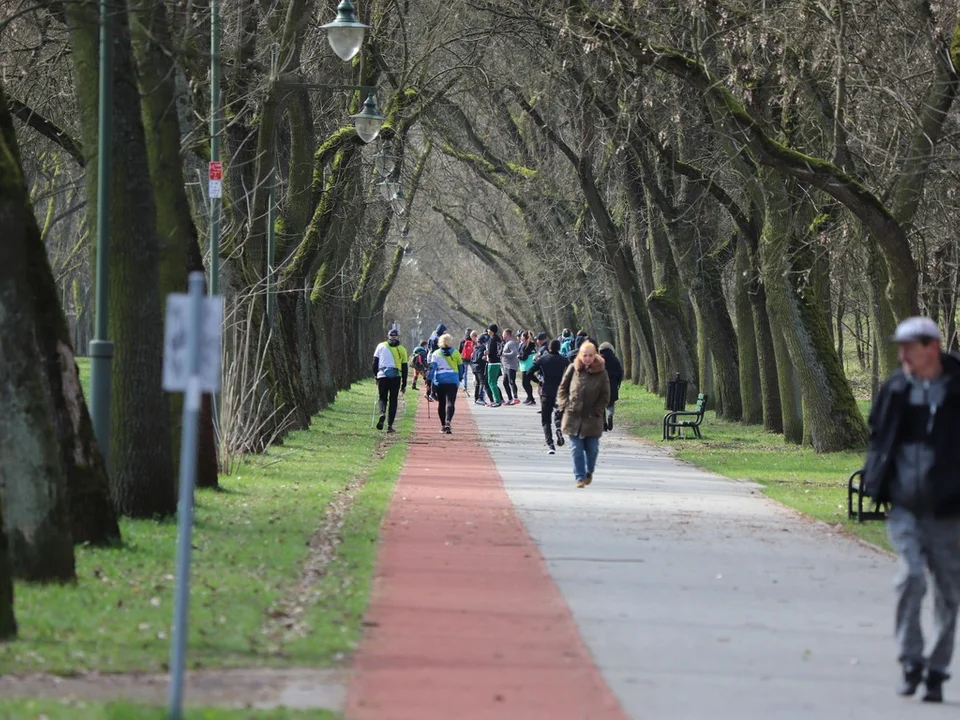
x=913 y=462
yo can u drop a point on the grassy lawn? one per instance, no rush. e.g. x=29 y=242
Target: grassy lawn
x=250 y=540
x=796 y=476
x=75 y=710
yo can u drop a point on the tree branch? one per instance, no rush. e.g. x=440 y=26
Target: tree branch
x=48 y=129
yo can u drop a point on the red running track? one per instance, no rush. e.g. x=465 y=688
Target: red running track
x=464 y=621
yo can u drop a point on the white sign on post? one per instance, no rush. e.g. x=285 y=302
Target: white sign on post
x=216 y=180
x=176 y=370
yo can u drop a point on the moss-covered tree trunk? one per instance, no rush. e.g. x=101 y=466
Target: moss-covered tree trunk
x=177 y=234
x=32 y=480
x=751 y=395
x=835 y=421
x=766 y=357
x=8 y=621
x=142 y=474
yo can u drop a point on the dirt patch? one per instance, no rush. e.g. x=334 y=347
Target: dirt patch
x=261 y=688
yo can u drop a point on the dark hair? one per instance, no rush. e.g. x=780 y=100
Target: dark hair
x=582 y=333
x=423 y=343
x=554 y=346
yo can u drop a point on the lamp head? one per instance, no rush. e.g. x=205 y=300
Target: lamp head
x=345 y=33
x=369 y=120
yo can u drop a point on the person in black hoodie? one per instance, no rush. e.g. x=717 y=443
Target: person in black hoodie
x=615 y=373
x=913 y=462
x=550 y=368
x=494 y=368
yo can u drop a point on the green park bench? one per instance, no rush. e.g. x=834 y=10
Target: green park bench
x=856 y=499
x=673 y=426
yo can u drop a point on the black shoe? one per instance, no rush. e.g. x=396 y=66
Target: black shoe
x=381 y=421
x=447 y=430
x=390 y=429
x=912 y=677
x=935 y=680
x=609 y=424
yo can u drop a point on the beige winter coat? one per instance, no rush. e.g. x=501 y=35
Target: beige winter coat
x=583 y=396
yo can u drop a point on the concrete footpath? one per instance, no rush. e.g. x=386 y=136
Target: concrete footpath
x=698 y=597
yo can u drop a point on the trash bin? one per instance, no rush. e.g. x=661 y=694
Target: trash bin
x=676 y=394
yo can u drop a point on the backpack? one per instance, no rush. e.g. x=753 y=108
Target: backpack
x=419 y=358
x=467 y=352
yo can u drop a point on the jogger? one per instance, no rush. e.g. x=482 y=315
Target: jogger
x=494 y=368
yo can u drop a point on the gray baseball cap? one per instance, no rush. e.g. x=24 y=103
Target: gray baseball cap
x=916 y=328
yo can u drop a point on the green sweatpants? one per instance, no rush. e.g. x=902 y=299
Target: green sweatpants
x=494 y=371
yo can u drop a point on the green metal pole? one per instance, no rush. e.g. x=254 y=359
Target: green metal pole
x=101 y=349
x=214 y=142
x=271 y=245
x=214 y=284
x=271 y=216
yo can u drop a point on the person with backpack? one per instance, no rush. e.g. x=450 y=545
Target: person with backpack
x=390 y=370
x=446 y=374
x=566 y=342
x=494 y=367
x=615 y=373
x=419 y=362
x=528 y=349
x=467 y=346
x=550 y=368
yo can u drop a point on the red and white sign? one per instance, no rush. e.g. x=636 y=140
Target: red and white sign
x=216 y=171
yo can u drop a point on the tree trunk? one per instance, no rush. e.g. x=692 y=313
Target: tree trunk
x=751 y=396
x=8 y=622
x=179 y=244
x=828 y=403
x=141 y=456
x=767 y=358
x=34 y=486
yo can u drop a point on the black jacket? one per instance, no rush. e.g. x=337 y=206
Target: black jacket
x=886 y=430
x=494 y=348
x=614 y=372
x=551 y=367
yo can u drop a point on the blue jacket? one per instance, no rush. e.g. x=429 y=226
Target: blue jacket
x=446 y=367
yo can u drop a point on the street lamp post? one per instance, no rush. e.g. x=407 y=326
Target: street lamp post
x=101 y=348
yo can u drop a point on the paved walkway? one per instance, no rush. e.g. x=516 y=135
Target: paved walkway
x=698 y=596
x=695 y=596
x=465 y=623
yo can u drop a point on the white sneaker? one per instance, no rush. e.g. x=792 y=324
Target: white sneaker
x=551 y=451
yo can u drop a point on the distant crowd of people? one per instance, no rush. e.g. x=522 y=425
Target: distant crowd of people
x=577 y=379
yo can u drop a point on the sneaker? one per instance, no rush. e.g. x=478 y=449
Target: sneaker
x=551 y=451
x=530 y=401
x=588 y=479
x=515 y=401
x=479 y=402
x=935 y=680
x=381 y=421
x=390 y=429
x=496 y=404
x=447 y=430
x=912 y=677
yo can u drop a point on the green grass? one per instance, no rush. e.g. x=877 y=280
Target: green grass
x=83 y=365
x=81 y=710
x=796 y=476
x=250 y=539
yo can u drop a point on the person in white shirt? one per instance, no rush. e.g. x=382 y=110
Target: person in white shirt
x=390 y=369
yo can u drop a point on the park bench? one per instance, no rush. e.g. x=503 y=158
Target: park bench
x=855 y=510
x=673 y=426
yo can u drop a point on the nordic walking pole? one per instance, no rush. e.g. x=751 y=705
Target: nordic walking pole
x=376 y=406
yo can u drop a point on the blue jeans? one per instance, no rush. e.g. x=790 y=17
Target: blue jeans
x=584 y=451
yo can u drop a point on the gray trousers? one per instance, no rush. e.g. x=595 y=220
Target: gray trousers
x=925 y=542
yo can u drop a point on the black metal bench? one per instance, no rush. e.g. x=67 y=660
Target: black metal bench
x=673 y=426
x=855 y=510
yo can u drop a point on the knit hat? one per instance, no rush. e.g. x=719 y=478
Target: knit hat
x=493 y=328
x=606 y=346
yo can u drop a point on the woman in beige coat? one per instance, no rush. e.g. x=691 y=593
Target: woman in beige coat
x=583 y=396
